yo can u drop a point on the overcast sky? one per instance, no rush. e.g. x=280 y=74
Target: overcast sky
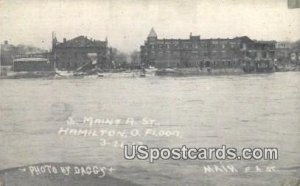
x=126 y=23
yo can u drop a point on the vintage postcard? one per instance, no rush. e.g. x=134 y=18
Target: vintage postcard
x=149 y=92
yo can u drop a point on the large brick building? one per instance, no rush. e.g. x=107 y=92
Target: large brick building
x=73 y=54
x=197 y=52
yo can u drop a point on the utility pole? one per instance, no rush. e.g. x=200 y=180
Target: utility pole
x=0 y=59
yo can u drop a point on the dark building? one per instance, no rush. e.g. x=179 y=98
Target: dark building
x=75 y=53
x=197 y=52
x=7 y=53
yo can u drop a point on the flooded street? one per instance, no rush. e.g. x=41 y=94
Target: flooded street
x=209 y=111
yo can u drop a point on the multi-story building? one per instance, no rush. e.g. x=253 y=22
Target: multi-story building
x=197 y=52
x=75 y=53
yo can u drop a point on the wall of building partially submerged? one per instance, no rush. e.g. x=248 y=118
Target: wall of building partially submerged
x=73 y=58
x=31 y=66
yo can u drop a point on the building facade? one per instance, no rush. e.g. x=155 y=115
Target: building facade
x=197 y=52
x=283 y=53
x=295 y=56
x=75 y=53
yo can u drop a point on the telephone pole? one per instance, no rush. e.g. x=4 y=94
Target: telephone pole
x=0 y=59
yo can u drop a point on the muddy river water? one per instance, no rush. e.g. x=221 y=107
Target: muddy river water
x=36 y=116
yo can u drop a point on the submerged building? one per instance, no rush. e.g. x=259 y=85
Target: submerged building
x=31 y=64
x=198 y=52
x=75 y=53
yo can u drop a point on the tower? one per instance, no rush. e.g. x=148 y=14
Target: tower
x=152 y=35
x=151 y=48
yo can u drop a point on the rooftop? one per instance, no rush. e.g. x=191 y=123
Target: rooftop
x=152 y=33
x=81 y=41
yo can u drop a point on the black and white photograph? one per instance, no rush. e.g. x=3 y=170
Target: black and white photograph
x=149 y=92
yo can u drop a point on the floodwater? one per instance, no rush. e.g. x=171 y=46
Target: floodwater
x=208 y=111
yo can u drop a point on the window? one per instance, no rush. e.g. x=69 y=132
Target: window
x=264 y=54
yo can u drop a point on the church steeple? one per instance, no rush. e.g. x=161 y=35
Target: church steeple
x=152 y=33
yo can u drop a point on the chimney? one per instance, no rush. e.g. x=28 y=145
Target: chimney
x=6 y=42
x=65 y=40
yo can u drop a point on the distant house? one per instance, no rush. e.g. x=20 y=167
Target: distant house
x=75 y=53
x=7 y=52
